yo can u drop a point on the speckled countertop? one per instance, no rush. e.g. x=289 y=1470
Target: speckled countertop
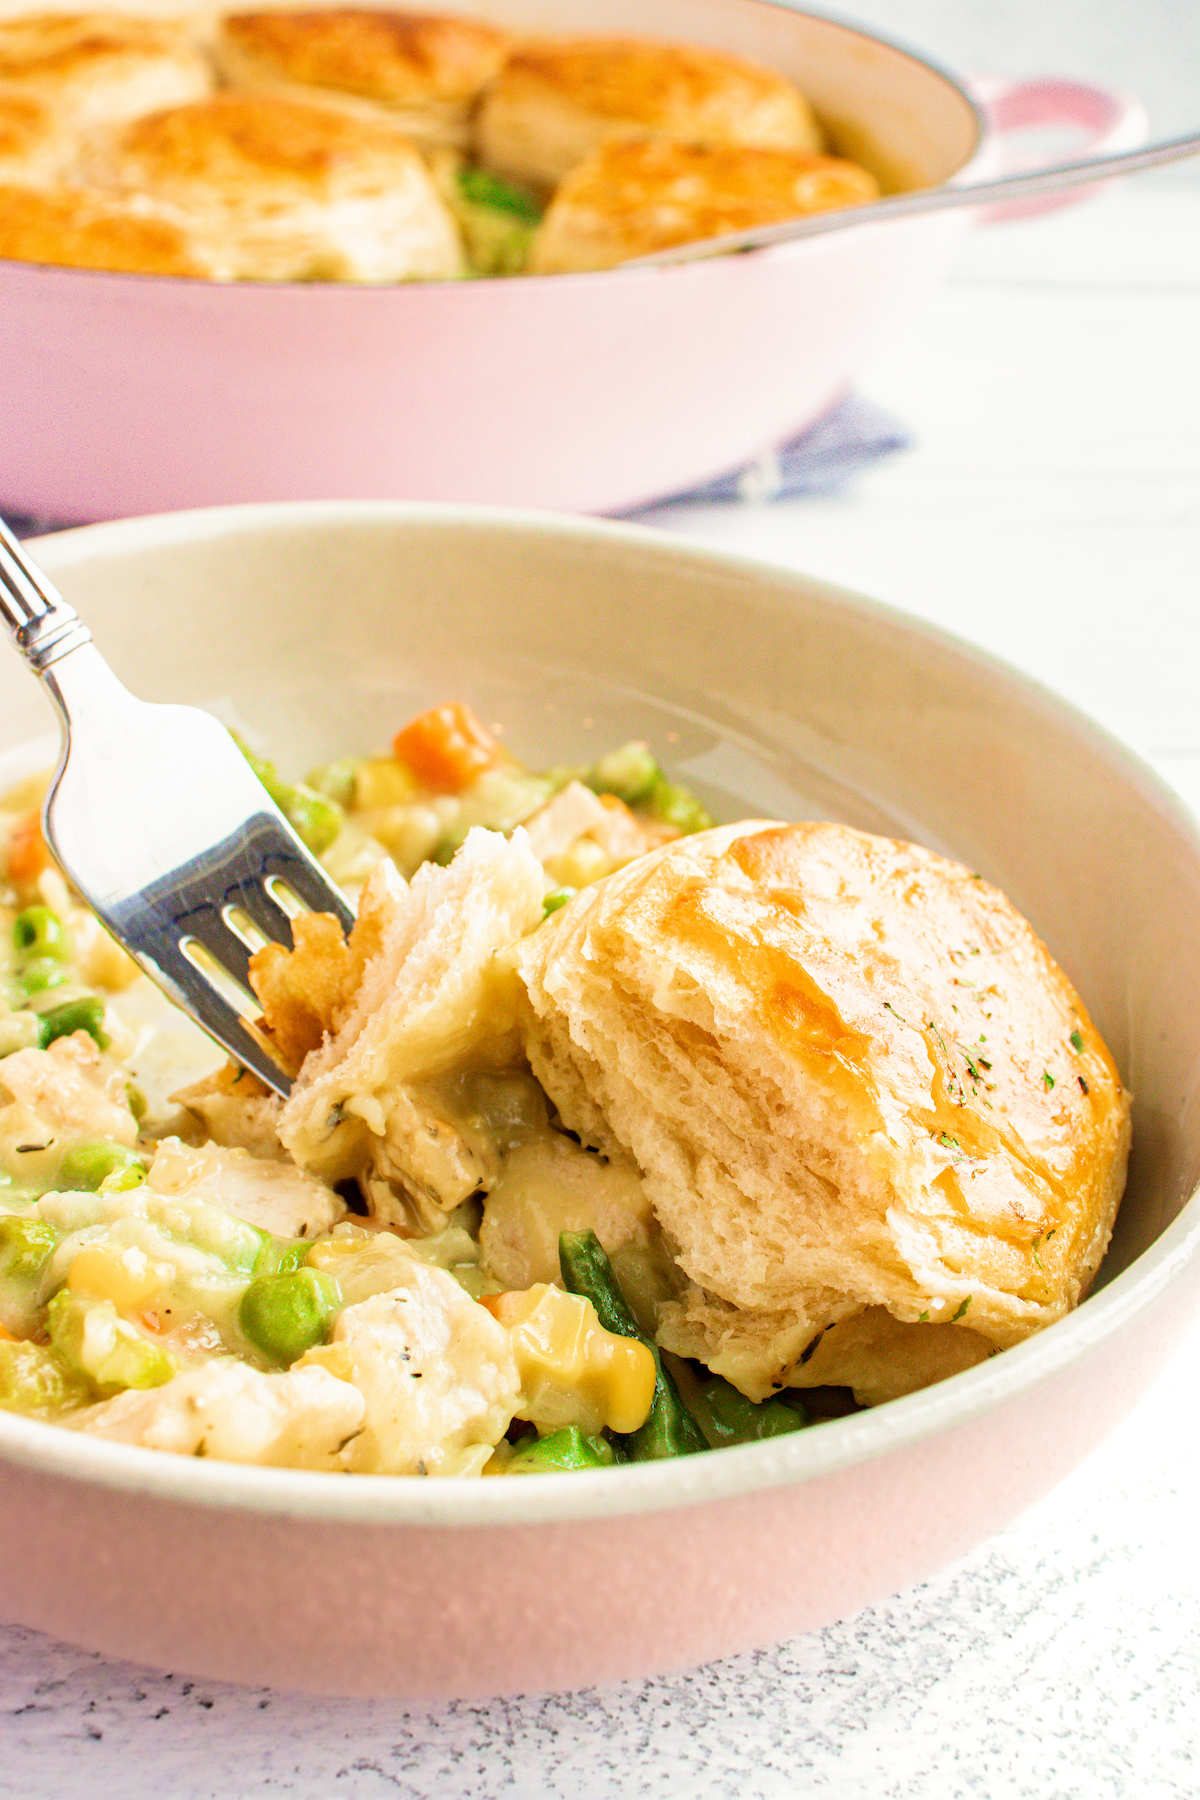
x=1061 y=1661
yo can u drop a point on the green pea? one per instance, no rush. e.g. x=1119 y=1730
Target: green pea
x=85 y=1166
x=26 y=1246
x=448 y=846
x=285 y=1315
x=41 y=973
x=630 y=773
x=561 y=1451
x=39 y=932
x=676 y=806
x=84 y=1014
x=555 y=898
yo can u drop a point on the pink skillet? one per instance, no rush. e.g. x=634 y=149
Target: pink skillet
x=588 y=393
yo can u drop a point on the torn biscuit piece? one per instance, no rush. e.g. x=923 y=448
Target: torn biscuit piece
x=429 y=1002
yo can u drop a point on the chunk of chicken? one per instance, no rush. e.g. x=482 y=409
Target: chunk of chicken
x=576 y=812
x=51 y=1097
x=300 y=1419
x=276 y=1196
x=236 y=1110
x=436 y=1371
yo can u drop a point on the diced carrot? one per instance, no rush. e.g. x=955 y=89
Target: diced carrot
x=6 y=1336
x=446 y=747
x=27 y=852
x=491 y=1303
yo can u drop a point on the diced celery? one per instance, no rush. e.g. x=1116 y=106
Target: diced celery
x=94 y=1341
x=674 y=805
x=630 y=773
x=34 y=1381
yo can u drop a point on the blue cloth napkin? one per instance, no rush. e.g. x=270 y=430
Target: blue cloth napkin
x=822 y=460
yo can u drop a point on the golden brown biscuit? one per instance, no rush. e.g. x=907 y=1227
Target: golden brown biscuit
x=632 y=199
x=102 y=68
x=864 y=1099
x=80 y=229
x=277 y=189
x=428 y=69
x=35 y=146
x=557 y=100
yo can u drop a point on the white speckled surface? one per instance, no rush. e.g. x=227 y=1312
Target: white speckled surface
x=1062 y=1659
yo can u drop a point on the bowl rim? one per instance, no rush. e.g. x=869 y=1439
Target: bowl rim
x=36 y=1447
x=838 y=20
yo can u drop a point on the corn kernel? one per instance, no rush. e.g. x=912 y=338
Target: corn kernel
x=334 y=1357
x=573 y=1371
x=584 y=862
x=383 y=782
x=127 y=1277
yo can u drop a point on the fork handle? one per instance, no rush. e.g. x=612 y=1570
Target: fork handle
x=42 y=626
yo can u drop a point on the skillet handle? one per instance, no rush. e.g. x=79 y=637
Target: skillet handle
x=1106 y=122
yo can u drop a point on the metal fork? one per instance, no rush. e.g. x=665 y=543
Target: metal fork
x=161 y=824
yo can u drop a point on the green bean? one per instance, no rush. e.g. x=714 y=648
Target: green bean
x=38 y=974
x=285 y=1315
x=39 y=932
x=84 y=1014
x=669 y=1429
x=725 y=1416
x=85 y=1166
x=555 y=898
x=630 y=773
x=677 y=806
x=561 y=1451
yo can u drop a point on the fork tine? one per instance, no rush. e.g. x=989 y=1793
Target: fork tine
x=200 y=996
x=310 y=884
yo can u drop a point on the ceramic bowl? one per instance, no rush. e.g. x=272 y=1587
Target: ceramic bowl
x=323 y=627
x=594 y=393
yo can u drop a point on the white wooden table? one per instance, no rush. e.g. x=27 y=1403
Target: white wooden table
x=1051 y=512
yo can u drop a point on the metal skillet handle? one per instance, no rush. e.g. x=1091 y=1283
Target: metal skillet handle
x=928 y=200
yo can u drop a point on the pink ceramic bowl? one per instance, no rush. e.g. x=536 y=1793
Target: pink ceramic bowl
x=775 y=695
x=593 y=393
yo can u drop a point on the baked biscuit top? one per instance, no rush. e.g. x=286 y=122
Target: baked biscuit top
x=391 y=57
